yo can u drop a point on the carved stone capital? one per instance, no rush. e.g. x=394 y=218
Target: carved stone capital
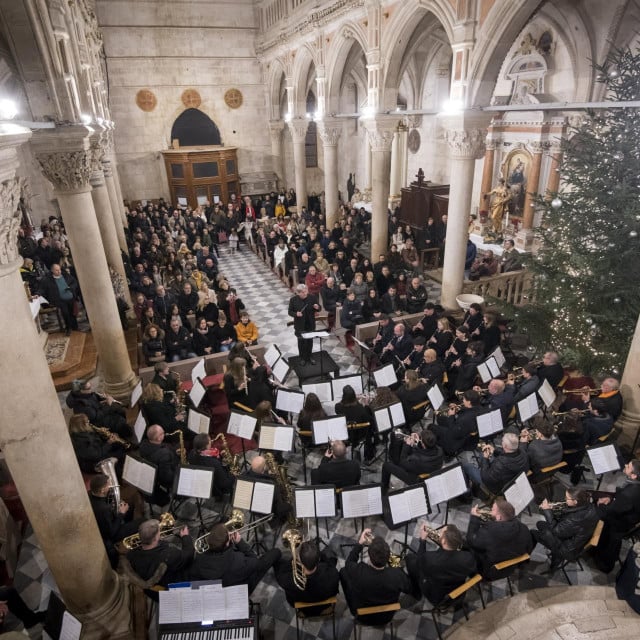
x=536 y=147
x=465 y=143
x=10 y=217
x=380 y=131
x=276 y=127
x=107 y=167
x=67 y=170
x=330 y=132
x=298 y=128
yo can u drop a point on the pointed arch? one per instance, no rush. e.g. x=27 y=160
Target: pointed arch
x=275 y=75
x=303 y=64
x=194 y=128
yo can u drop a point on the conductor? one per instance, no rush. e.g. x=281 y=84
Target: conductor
x=302 y=308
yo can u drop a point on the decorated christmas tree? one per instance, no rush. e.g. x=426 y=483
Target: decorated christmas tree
x=585 y=300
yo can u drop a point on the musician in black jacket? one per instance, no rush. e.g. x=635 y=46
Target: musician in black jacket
x=434 y=574
x=466 y=367
x=432 y=369
x=202 y=455
x=302 y=308
x=550 y=370
x=412 y=394
x=230 y=559
x=415 y=358
x=154 y=450
x=399 y=347
x=501 y=538
x=335 y=468
x=530 y=383
x=374 y=583
x=384 y=333
x=357 y=414
x=459 y=428
x=319 y=570
x=566 y=532
x=427 y=326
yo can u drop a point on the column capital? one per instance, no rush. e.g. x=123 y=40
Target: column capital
x=276 y=127
x=380 y=130
x=98 y=152
x=465 y=143
x=298 y=128
x=330 y=130
x=536 y=146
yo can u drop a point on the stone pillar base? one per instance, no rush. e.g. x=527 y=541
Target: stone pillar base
x=111 y=621
x=629 y=422
x=122 y=390
x=524 y=239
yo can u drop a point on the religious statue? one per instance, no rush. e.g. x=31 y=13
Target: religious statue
x=420 y=176
x=501 y=197
x=351 y=186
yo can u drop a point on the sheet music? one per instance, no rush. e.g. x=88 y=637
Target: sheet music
x=483 y=372
x=435 y=397
x=528 y=407
x=140 y=426
x=408 y=505
x=604 y=459
x=321 y=389
x=199 y=371
x=520 y=493
x=547 y=394
x=262 y=501
x=399 y=507
x=338 y=384
x=170 y=606
x=71 y=627
x=136 y=393
x=291 y=401
x=280 y=370
x=305 y=503
x=195 y=483
x=489 y=423
x=493 y=367
x=140 y=474
x=192 y=605
x=271 y=355
x=383 y=419
x=326 y=502
x=198 y=422
x=236 y=602
x=363 y=502
x=397 y=414
x=499 y=356
x=242 y=494
x=276 y=438
x=242 y=425
x=446 y=485
x=386 y=376
x=197 y=393
x=212 y=603
x=310 y=335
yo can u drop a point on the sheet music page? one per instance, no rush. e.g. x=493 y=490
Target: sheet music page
x=483 y=372
x=326 y=502
x=355 y=504
x=493 y=367
x=262 y=497
x=140 y=426
x=397 y=414
x=197 y=393
x=236 y=602
x=170 y=606
x=547 y=394
x=435 y=397
x=320 y=431
x=417 y=502
x=338 y=384
x=305 y=505
x=383 y=419
x=291 y=401
x=267 y=437
x=337 y=428
x=71 y=627
x=283 y=439
x=197 y=422
x=195 y=483
x=499 y=356
x=528 y=407
x=242 y=425
x=280 y=370
x=399 y=507
x=374 y=500
x=139 y=474
x=192 y=608
x=520 y=493
x=604 y=459
x=446 y=486
x=321 y=389
x=271 y=355
x=386 y=376
x=199 y=371
x=136 y=393
x=309 y=335
x=212 y=602
x=489 y=423
x=242 y=494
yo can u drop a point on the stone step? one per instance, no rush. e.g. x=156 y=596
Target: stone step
x=80 y=364
x=73 y=355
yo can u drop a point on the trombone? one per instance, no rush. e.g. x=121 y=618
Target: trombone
x=395 y=560
x=235 y=524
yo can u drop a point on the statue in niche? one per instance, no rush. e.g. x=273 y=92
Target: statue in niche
x=499 y=204
x=351 y=186
x=420 y=176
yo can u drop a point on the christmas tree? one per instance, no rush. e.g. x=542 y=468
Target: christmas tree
x=585 y=301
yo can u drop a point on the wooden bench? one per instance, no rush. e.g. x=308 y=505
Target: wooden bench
x=368 y=330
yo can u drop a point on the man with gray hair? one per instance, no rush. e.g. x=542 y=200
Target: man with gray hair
x=302 y=308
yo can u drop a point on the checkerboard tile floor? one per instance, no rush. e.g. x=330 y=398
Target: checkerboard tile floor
x=266 y=298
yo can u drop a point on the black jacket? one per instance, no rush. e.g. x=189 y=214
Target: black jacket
x=178 y=560
x=165 y=460
x=49 y=289
x=341 y=473
x=307 y=321
x=455 y=432
x=572 y=528
x=177 y=342
x=223 y=481
x=503 y=468
x=418 y=460
x=552 y=373
x=235 y=565
x=623 y=512
x=321 y=584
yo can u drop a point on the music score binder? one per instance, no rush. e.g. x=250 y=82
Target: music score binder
x=136 y=393
x=604 y=458
x=194 y=482
x=242 y=425
x=318 y=501
x=276 y=437
x=389 y=417
x=291 y=401
x=488 y=369
x=322 y=389
x=140 y=426
x=198 y=422
x=519 y=493
x=436 y=397
x=499 y=356
x=328 y=429
x=446 y=484
x=489 y=423
x=197 y=393
x=206 y=604
x=338 y=384
x=140 y=473
x=281 y=370
x=199 y=371
x=361 y=501
x=546 y=393
x=528 y=407
x=272 y=355
x=253 y=495
x=385 y=376
x=407 y=504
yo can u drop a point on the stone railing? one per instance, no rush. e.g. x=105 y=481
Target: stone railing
x=512 y=287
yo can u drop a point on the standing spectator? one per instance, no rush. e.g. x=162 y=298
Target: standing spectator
x=61 y=291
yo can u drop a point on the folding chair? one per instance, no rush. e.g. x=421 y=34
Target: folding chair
x=545 y=478
x=508 y=567
x=381 y=621
x=593 y=542
x=301 y=609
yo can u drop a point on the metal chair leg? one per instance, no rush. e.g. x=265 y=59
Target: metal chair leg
x=435 y=623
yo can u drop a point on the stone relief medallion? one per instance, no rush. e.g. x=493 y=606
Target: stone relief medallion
x=191 y=99
x=413 y=141
x=233 y=98
x=146 y=100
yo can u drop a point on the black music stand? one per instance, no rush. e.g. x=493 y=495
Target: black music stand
x=194 y=486
x=364 y=510
x=303 y=511
x=410 y=508
x=365 y=351
x=254 y=502
x=445 y=485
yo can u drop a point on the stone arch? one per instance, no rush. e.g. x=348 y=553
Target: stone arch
x=195 y=128
x=303 y=65
x=275 y=75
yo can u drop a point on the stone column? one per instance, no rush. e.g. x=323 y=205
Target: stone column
x=298 y=128
x=330 y=130
x=403 y=153
x=111 y=151
x=466 y=143
x=630 y=390
x=525 y=236
x=65 y=158
x=487 y=174
x=36 y=445
x=367 y=164
x=106 y=219
x=113 y=199
x=394 y=177
x=380 y=130
x=275 y=133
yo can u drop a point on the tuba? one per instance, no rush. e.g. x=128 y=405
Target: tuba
x=292 y=538
x=167 y=528
x=108 y=468
x=279 y=473
x=232 y=462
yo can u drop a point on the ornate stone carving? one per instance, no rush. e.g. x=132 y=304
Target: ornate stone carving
x=465 y=143
x=67 y=171
x=298 y=128
x=380 y=131
x=329 y=134
x=146 y=100
x=536 y=147
x=10 y=217
x=233 y=98
x=191 y=99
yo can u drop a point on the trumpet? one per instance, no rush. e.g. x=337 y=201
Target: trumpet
x=481 y=393
x=557 y=507
x=432 y=534
x=485 y=446
x=235 y=524
x=167 y=528
x=485 y=515
x=292 y=538
x=577 y=412
x=591 y=392
x=395 y=561
x=105 y=433
x=444 y=412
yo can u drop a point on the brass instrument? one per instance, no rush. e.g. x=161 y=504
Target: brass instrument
x=235 y=524
x=232 y=462
x=108 y=468
x=557 y=507
x=591 y=392
x=432 y=534
x=182 y=449
x=105 y=433
x=485 y=446
x=167 y=529
x=515 y=377
x=395 y=561
x=279 y=473
x=481 y=393
x=180 y=406
x=580 y=412
x=292 y=538
x=485 y=515
x=444 y=412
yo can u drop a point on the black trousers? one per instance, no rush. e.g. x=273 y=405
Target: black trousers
x=265 y=562
x=66 y=309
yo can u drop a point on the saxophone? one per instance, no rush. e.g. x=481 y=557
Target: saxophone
x=182 y=448
x=279 y=473
x=106 y=434
x=180 y=406
x=231 y=461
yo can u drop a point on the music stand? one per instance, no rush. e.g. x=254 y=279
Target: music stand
x=603 y=458
x=135 y=394
x=276 y=437
x=365 y=351
x=528 y=407
x=316 y=501
x=256 y=496
x=445 y=485
x=361 y=501
x=489 y=424
x=310 y=335
x=194 y=482
x=388 y=418
x=197 y=393
x=243 y=426
x=339 y=383
x=519 y=493
x=385 y=376
x=405 y=505
x=142 y=475
x=140 y=426
x=199 y=371
x=547 y=395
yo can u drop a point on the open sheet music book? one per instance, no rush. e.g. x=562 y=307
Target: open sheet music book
x=271 y=355
x=389 y=417
x=407 y=504
x=488 y=369
x=276 y=437
x=312 y=502
x=140 y=426
x=499 y=356
x=199 y=371
x=446 y=484
x=242 y=425
x=197 y=393
x=436 y=397
x=528 y=407
x=291 y=401
x=385 y=376
x=194 y=482
x=280 y=370
x=198 y=422
x=328 y=429
x=321 y=389
x=519 y=493
x=253 y=495
x=136 y=393
x=489 y=423
x=362 y=501
x=209 y=603
x=338 y=384
x=546 y=393
x=142 y=475
x=603 y=459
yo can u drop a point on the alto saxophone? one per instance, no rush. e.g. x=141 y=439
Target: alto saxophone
x=279 y=473
x=105 y=433
x=231 y=461
x=180 y=405
x=182 y=449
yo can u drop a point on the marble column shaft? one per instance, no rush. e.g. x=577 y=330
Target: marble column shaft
x=330 y=131
x=532 y=188
x=298 y=128
x=487 y=175
x=113 y=199
x=394 y=177
x=553 y=182
x=367 y=164
x=275 y=133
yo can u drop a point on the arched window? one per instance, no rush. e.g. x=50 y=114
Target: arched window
x=193 y=129
x=311 y=139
